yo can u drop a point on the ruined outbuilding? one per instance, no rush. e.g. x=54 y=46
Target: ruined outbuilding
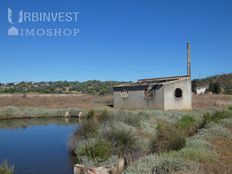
x=166 y=93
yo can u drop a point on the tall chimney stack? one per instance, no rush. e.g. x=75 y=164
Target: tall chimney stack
x=188 y=60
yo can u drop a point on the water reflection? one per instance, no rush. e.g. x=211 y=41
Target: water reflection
x=37 y=145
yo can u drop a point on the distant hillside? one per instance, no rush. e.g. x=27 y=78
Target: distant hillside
x=96 y=87
x=92 y=87
x=224 y=80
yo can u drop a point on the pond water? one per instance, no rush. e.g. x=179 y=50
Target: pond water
x=37 y=146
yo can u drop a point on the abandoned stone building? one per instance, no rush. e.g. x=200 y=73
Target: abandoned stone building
x=167 y=93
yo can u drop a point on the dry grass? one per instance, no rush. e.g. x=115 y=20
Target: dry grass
x=211 y=101
x=223 y=165
x=55 y=101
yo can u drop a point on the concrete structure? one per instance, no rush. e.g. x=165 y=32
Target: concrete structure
x=168 y=93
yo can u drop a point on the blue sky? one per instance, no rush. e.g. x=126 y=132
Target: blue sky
x=120 y=40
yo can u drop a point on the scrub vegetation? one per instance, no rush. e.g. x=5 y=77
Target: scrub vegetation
x=152 y=141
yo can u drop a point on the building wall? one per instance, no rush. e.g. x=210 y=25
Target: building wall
x=172 y=102
x=137 y=100
x=163 y=98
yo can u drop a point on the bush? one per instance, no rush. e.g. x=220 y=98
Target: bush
x=104 y=116
x=89 y=128
x=207 y=118
x=217 y=116
x=129 y=118
x=187 y=125
x=230 y=107
x=90 y=114
x=5 y=168
x=94 y=149
x=162 y=164
x=122 y=137
x=196 y=154
x=168 y=138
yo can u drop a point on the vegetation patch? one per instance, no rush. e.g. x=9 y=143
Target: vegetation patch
x=194 y=154
x=216 y=116
x=96 y=149
x=122 y=137
x=230 y=107
x=28 y=112
x=5 y=168
x=187 y=125
x=168 y=138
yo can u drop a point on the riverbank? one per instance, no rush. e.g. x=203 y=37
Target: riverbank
x=12 y=112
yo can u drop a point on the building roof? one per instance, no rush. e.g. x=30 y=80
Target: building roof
x=143 y=84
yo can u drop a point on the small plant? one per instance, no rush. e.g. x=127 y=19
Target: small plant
x=168 y=138
x=230 y=107
x=104 y=116
x=5 y=168
x=96 y=150
x=122 y=137
x=207 y=118
x=130 y=118
x=221 y=115
x=187 y=125
x=90 y=114
x=196 y=154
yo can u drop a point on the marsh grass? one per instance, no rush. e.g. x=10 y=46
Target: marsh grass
x=96 y=149
x=226 y=122
x=123 y=138
x=5 y=168
x=90 y=114
x=168 y=138
x=28 y=122
x=164 y=135
x=27 y=112
x=131 y=118
x=217 y=116
x=162 y=164
x=187 y=125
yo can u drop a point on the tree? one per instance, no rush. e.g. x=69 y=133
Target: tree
x=217 y=88
x=194 y=86
x=211 y=87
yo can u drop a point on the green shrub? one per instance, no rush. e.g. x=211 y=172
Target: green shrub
x=216 y=116
x=162 y=164
x=89 y=128
x=122 y=137
x=94 y=149
x=168 y=138
x=90 y=114
x=5 y=168
x=105 y=116
x=187 y=125
x=221 y=115
x=196 y=154
x=129 y=118
x=207 y=118
x=230 y=107
x=227 y=122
